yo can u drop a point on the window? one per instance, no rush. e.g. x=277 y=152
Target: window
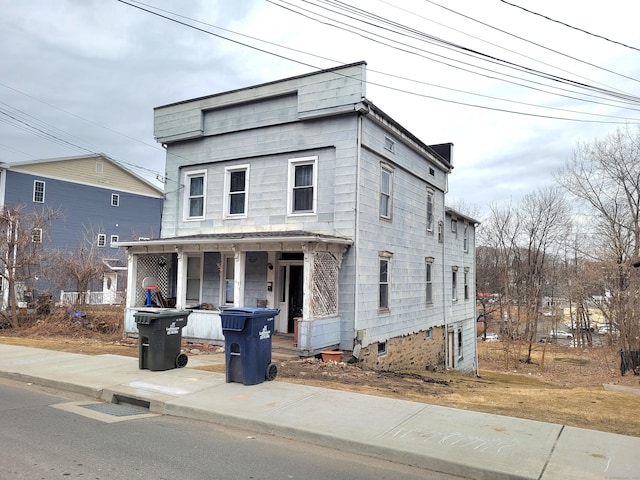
x=99 y=167
x=195 y=187
x=465 y=237
x=389 y=145
x=466 y=285
x=454 y=284
x=429 y=211
x=229 y=279
x=102 y=239
x=38 y=191
x=460 y=343
x=386 y=191
x=36 y=235
x=194 y=273
x=115 y=200
x=454 y=226
x=440 y=232
x=382 y=348
x=302 y=181
x=429 y=279
x=112 y=240
x=235 y=186
x=432 y=172
x=383 y=281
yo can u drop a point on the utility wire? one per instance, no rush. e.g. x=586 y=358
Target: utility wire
x=570 y=26
x=371 y=83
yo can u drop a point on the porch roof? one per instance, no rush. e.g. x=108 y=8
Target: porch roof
x=242 y=237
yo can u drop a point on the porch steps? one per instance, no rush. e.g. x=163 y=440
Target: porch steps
x=282 y=347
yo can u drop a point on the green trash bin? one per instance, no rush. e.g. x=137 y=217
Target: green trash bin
x=160 y=339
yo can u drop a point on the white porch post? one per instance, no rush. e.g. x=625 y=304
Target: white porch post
x=240 y=260
x=132 y=274
x=271 y=279
x=181 y=284
x=308 y=275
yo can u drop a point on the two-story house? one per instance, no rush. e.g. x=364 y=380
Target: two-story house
x=96 y=199
x=302 y=195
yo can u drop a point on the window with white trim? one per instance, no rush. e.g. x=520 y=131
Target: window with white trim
x=195 y=194
x=466 y=284
x=384 y=280
x=228 y=276
x=460 y=343
x=302 y=185
x=115 y=200
x=102 y=239
x=386 y=191
x=429 y=211
x=429 y=279
x=454 y=284
x=112 y=240
x=236 y=182
x=36 y=235
x=194 y=275
x=389 y=145
x=38 y=191
x=454 y=226
x=465 y=238
x=440 y=232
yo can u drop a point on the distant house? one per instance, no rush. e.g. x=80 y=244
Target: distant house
x=302 y=195
x=99 y=200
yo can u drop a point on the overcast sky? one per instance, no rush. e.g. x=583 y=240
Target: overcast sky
x=512 y=90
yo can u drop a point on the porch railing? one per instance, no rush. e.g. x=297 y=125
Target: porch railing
x=91 y=298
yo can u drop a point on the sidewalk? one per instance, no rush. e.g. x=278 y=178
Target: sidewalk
x=459 y=442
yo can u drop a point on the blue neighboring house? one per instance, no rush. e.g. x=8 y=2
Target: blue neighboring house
x=96 y=197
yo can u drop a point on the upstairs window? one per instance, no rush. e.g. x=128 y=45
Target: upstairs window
x=389 y=145
x=38 y=191
x=440 y=232
x=302 y=185
x=454 y=284
x=465 y=238
x=454 y=226
x=102 y=239
x=429 y=211
x=236 y=181
x=113 y=240
x=386 y=191
x=115 y=200
x=466 y=285
x=195 y=187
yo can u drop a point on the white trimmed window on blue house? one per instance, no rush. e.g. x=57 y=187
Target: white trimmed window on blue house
x=113 y=239
x=38 y=191
x=115 y=200
x=102 y=239
x=36 y=235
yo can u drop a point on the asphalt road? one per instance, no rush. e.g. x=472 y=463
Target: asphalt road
x=39 y=440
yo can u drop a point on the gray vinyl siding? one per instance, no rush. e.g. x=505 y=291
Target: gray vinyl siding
x=83 y=207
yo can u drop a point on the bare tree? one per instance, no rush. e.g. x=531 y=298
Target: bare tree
x=22 y=252
x=605 y=176
x=79 y=268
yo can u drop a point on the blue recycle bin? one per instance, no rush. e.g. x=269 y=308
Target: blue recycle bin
x=160 y=339
x=247 y=344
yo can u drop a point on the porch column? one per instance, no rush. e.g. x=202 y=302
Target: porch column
x=181 y=276
x=240 y=259
x=132 y=275
x=307 y=269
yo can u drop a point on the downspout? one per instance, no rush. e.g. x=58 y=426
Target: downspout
x=444 y=283
x=362 y=110
x=475 y=303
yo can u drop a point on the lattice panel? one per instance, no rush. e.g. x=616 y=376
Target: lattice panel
x=324 y=285
x=151 y=266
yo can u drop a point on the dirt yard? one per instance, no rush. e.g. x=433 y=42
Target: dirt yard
x=565 y=388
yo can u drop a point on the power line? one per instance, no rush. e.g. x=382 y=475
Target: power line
x=371 y=83
x=570 y=26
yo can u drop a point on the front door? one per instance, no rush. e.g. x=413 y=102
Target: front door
x=290 y=285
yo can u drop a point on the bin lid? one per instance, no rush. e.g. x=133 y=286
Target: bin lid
x=250 y=312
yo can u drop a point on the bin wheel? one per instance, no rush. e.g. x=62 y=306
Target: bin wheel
x=272 y=372
x=181 y=360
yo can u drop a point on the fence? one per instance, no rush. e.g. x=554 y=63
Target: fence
x=630 y=360
x=91 y=298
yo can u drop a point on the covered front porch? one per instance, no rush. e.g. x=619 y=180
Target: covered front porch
x=296 y=272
